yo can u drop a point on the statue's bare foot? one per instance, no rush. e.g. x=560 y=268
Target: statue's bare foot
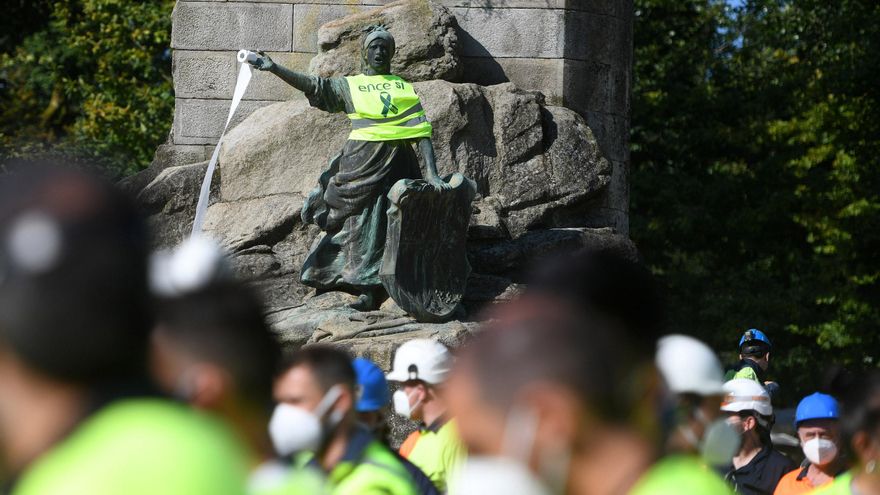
x=365 y=302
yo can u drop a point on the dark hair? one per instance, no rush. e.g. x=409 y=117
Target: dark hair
x=82 y=313
x=541 y=340
x=837 y=379
x=760 y=422
x=861 y=406
x=612 y=283
x=331 y=366
x=755 y=349
x=223 y=323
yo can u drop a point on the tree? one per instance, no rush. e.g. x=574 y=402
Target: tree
x=755 y=176
x=95 y=82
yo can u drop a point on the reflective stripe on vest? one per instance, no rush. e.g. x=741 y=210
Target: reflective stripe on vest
x=386 y=108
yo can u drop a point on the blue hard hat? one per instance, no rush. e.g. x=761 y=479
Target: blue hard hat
x=753 y=334
x=371 y=384
x=816 y=406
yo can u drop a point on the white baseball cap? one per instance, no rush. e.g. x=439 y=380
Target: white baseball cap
x=689 y=366
x=744 y=394
x=421 y=359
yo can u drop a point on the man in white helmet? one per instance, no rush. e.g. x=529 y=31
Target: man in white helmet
x=421 y=367
x=695 y=436
x=757 y=467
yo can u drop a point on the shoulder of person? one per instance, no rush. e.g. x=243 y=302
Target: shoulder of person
x=783 y=461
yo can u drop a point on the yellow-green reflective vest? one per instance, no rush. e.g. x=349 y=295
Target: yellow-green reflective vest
x=386 y=108
x=678 y=474
x=141 y=447
x=745 y=372
x=842 y=485
x=377 y=471
x=438 y=452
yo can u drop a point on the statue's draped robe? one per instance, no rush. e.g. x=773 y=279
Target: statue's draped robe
x=351 y=200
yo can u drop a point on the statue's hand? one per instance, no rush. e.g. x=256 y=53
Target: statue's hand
x=438 y=183
x=264 y=62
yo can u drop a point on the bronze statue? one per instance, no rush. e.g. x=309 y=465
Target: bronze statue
x=351 y=200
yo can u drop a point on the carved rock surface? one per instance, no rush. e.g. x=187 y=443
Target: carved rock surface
x=425 y=35
x=529 y=160
x=536 y=167
x=169 y=196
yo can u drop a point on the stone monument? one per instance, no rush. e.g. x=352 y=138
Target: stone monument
x=352 y=197
x=527 y=98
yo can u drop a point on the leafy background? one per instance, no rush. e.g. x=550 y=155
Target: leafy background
x=755 y=176
x=755 y=129
x=89 y=78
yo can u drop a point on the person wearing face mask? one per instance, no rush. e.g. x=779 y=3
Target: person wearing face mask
x=861 y=430
x=757 y=467
x=553 y=400
x=421 y=367
x=816 y=420
x=372 y=396
x=315 y=422
x=372 y=393
x=558 y=393
x=697 y=436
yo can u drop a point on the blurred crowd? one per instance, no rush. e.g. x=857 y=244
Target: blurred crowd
x=124 y=371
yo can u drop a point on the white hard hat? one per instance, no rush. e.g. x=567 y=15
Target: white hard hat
x=191 y=266
x=744 y=394
x=421 y=359
x=689 y=366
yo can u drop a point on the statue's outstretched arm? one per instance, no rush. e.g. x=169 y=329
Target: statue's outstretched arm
x=298 y=80
x=431 y=176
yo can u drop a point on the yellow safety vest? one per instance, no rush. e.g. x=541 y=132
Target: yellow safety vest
x=680 y=474
x=141 y=447
x=386 y=108
x=437 y=451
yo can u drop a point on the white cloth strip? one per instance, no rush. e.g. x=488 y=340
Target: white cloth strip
x=241 y=85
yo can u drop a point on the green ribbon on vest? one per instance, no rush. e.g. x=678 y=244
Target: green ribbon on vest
x=375 y=98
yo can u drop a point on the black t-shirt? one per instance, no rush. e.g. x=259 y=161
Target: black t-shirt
x=761 y=475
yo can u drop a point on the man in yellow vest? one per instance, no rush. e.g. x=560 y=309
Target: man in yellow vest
x=421 y=366
x=315 y=422
x=77 y=414
x=350 y=202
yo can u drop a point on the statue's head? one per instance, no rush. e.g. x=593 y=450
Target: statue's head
x=378 y=49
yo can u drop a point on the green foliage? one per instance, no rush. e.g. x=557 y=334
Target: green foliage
x=756 y=182
x=94 y=82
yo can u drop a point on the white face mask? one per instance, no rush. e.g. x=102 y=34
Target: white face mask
x=400 y=399
x=820 y=451
x=719 y=443
x=294 y=429
x=495 y=476
x=509 y=473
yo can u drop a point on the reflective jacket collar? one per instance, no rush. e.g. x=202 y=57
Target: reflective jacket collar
x=803 y=473
x=357 y=444
x=436 y=425
x=748 y=363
